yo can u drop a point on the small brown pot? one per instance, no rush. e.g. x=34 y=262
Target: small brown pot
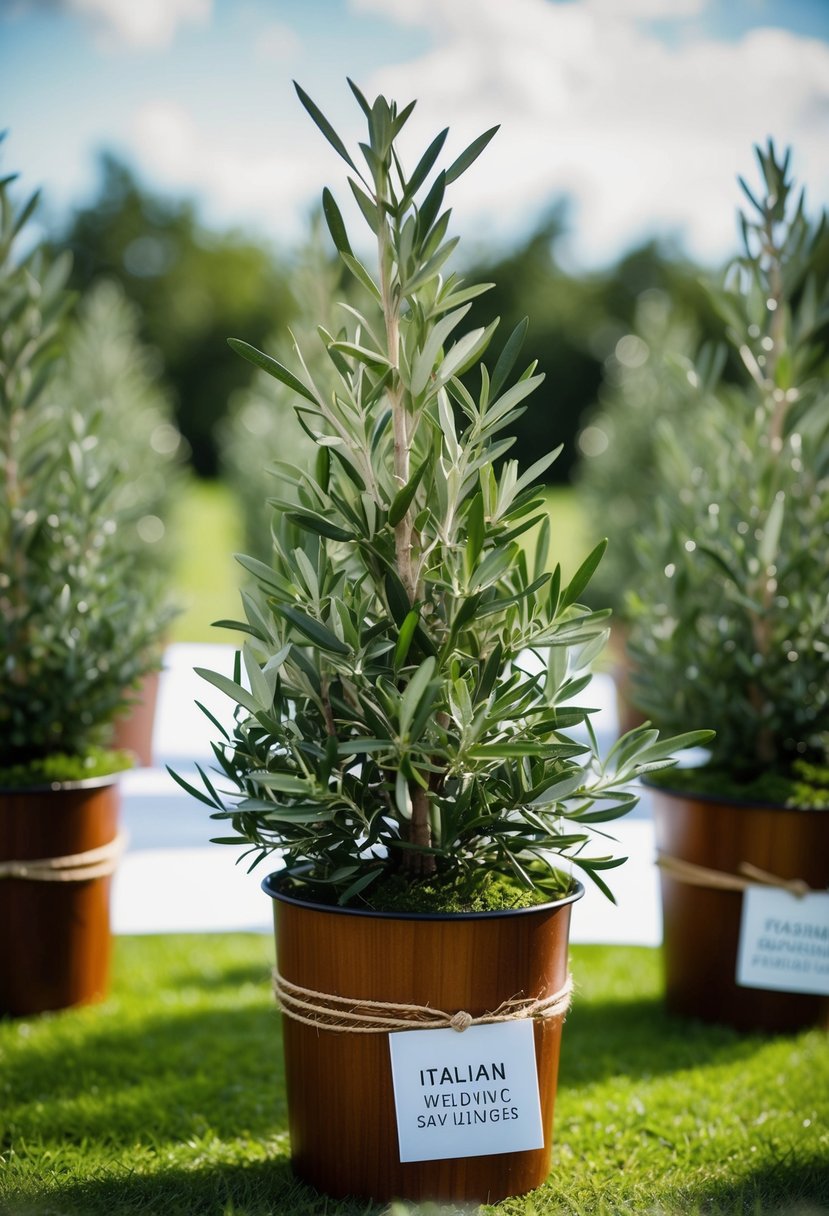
x=702 y=925
x=339 y=1085
x=55 y=940
x=628 y=714
x=133 y=731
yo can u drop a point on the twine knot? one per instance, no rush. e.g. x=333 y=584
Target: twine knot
x=461 y=1021
x=795 y=886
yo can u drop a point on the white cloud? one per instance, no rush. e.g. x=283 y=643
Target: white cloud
x=592 y=104
x=277 y=43
x=140 y=24
x=648 y=10
x=239 y=181
x=645 y=136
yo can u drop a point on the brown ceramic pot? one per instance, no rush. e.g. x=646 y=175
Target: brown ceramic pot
x=628 y=714
x=339 y=1085
x=55 y=936
x=133 y=731
x=701 y=925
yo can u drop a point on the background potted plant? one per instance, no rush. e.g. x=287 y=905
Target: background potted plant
x=74 y=636
x=109 y=373
x=730 y=615
x=618 y=478
x=405 y=698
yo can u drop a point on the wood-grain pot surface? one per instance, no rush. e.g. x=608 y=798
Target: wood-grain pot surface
x=55 y=942
x=340 y=1095
x=702 y=925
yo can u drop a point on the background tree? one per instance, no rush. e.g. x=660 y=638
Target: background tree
x=730 y=615
x=576 y=322
x=193 y=287
x=109 y=372
x=644 y=388
x=78 y=620
x=564 y=312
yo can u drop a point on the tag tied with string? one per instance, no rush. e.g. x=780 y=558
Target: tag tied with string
x=466 y=1095
x=464 y=1085
x=784 y=941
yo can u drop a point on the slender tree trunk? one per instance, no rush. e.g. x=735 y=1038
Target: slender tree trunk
x=420 y=828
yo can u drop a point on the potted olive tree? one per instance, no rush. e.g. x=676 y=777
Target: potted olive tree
x=618 y=478
x=406 y=735
x=109 y=373
x=74 y=636
x=731 y=622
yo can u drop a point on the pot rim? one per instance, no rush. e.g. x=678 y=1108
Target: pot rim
x=270 y=885
x=56 y=787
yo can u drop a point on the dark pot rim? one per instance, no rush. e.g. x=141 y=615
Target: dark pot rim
x=270 y=885
x=56 y=787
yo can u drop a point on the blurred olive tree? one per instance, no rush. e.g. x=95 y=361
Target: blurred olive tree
x=616 y=477
x=576 y=321
x=193 y=288
x=109 y=373
x=566 y=319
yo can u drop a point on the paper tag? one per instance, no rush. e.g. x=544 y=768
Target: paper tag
x=784 y=941
x=466 y=1094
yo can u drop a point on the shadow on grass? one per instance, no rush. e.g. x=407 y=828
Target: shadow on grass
x=784 y=1189
x=270 y=1189
x=266 y=1188
x=174 y=1077
x=229 y=977
x=127 y=1091
x=222 y=1069
x=638 y=1038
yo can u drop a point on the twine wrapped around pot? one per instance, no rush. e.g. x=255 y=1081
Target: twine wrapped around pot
x=353 y=1016
x=748 y=876
x=74 y=867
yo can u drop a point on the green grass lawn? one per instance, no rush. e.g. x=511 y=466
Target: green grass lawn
x=168 y=1100
x=207 y=530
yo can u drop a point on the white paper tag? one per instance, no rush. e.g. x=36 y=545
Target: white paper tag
x=784 y=941
x=466 y=1094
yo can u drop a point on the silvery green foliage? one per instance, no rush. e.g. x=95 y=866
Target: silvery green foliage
x=407 y=688
x=110 y=371
x=731 y=626
x=73 y=633
x=645 y=383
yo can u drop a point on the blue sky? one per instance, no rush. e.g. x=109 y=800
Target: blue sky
x=641 y=111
